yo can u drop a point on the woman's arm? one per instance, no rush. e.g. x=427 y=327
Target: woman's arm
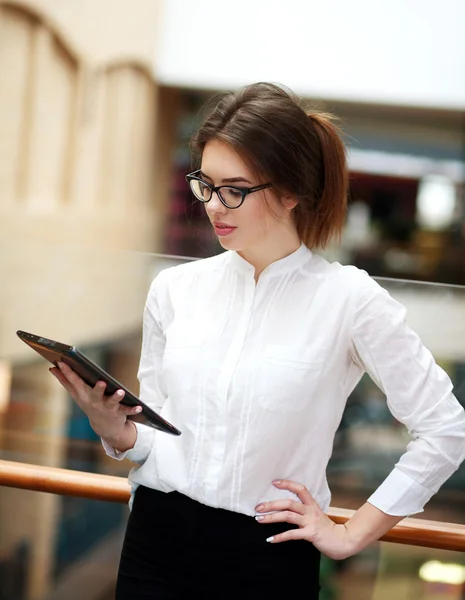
x=419 y=394
x=367 y=525
x=126 y=440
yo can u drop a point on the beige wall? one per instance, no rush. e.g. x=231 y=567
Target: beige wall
x=103 y=31
x=85 y=143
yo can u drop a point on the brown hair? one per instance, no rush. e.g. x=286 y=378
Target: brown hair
x=302 y=154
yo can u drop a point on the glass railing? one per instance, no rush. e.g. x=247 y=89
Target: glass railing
x=49 y=542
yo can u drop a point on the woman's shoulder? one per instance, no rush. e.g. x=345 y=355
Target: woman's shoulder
x=348 y=275
x=351 y=285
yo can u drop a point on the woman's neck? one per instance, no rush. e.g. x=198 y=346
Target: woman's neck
x=261 y=257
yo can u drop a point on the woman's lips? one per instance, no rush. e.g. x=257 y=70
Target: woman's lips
x=222 y=229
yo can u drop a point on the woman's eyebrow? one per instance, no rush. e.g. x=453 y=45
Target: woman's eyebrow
x=228 y=179
x=236 y=180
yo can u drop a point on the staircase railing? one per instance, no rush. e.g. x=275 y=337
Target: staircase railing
x=110 y=488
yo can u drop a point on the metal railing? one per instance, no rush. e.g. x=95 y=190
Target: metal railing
x=412 y=531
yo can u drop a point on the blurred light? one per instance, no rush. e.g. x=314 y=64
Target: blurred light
x=398 y=164
x=436 y=202
x=438 y=572
x=398 y=260
x=357 y=231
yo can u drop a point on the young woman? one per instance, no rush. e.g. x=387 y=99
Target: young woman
x=252 y=354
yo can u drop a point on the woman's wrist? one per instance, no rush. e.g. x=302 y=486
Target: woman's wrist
x=367 y=525
x=125 y=440
x=356 y=538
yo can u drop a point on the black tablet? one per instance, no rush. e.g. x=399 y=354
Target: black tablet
x=90 y=372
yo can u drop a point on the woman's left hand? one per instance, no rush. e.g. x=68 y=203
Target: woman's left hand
x=314 y=525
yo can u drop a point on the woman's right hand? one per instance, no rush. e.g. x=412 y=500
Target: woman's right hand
x=107 y=417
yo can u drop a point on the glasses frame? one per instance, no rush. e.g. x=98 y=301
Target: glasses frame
x=194 y=176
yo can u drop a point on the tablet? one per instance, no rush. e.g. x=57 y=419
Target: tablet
x=90 y=372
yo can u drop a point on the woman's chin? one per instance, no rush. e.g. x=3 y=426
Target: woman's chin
x=228 y=243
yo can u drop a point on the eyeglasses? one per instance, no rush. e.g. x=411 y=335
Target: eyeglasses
x=229 y=195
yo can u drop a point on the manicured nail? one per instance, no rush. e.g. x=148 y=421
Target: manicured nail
x=270 y=539
x=259 y=517
x=138 y=409
x=120 y=393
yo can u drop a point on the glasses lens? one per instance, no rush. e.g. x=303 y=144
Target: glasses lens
x=201 y=190
x=232 y=196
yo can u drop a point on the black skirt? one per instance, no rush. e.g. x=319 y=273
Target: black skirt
x=176 y=548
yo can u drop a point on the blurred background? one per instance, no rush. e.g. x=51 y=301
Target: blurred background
x=98 y=99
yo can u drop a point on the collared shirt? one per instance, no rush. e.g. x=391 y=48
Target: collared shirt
x=256 y=375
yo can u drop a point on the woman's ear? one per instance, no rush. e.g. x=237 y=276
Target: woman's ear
x=289 y=202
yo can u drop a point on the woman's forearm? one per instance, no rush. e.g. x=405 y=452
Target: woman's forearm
x=367 y=525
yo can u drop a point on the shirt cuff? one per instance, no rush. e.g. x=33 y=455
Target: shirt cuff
x=400 y=496
x=141 y=449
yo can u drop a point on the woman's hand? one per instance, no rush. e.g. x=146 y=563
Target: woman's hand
x=314 y=525
x=107 y=417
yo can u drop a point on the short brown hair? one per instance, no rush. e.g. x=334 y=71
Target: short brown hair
x=302 y=154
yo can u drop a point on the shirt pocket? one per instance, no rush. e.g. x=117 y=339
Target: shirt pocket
x=181 y=358
x=289 y=377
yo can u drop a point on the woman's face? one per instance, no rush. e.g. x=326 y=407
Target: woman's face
x=260 y=221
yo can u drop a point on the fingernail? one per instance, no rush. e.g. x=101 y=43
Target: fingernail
x=270 y=539
x=259 y=517
x=259 y=507
x=276 y=481
x=138 y=409
x=101 y=384
x=120 y=393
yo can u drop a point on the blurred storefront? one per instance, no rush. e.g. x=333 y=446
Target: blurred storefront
x=407 y=201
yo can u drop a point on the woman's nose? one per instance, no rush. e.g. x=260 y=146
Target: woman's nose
x=215 y=205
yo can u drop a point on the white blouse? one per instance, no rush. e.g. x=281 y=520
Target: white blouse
x=256 y=376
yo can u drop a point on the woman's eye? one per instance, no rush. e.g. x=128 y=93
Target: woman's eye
x=204 y=189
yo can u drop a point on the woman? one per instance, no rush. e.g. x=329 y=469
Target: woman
x=252 y=354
